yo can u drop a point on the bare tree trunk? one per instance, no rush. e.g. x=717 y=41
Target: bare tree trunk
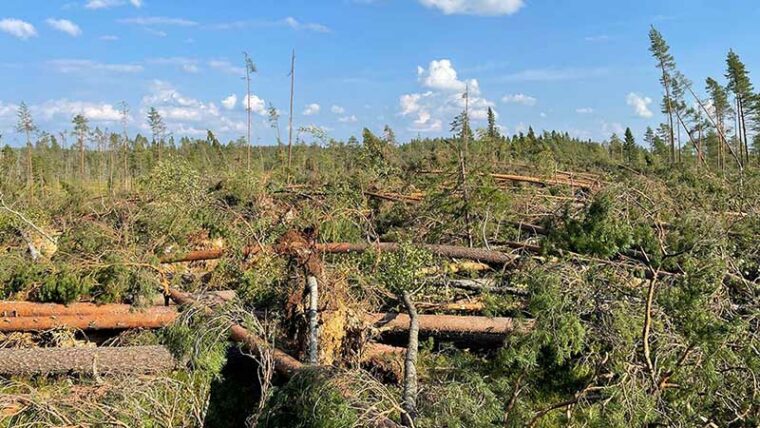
x=248 y=110
x=670 y=113
x=744 y=131
x=85 y=361
x=463 y=166
x=410 y=365
x=290 y=117
x=313 y=320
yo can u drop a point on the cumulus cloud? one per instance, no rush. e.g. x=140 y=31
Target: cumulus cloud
x=185 y=115
x=337 y=109
x=258 y=105
x=523 y=99
x=640 y=105
x=18 y=28
x=443 y=99
x=86 y=66
x=476 y=7
x=230 y=102
x=65 y=109
x=65 y=26
x=312 y=109
x=584 y=110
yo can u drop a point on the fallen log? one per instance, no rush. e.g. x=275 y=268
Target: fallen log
x=158 y=317
x=155 y=317
x=450 y=324
x=86 y=361
x=480 y=285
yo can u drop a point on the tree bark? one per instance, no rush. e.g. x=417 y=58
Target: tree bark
x=410 y=365
x=156 y=317
x=85 y=361
x=313 y=320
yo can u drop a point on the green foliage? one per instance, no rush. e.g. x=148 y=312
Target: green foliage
x=64 y=286
x=598 y=231
x=401 y=270
x=309 y=400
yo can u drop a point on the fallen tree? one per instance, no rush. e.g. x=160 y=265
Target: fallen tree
x=155 y=317
x=113 y=317
x=86 y=361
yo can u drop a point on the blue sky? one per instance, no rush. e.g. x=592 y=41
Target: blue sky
x=576 y=66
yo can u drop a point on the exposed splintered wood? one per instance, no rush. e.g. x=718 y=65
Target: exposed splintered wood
x=154 y=317
x=85 y=361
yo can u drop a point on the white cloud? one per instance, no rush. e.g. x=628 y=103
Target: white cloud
x=18 y=28
x=476 y=7
x=584 y=110
x=229 y=102
x=66 y=109
x=597 y=39
x=84 y=66
x=297 y=25
x=64 y=25
x=185 y=115
x=109 y=38
x=612 y=128
x=106 y=4
x=337 y=109
x=441 y=74
x=226 y=67
x=542 y=114
x=348 y=119
x=159 y=20
x=640 y=105
x=523 y=99
x=258 y=105
x=312 y=109
x=443 y=100
x=289 y=22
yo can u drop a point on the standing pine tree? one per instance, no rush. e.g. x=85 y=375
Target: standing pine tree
x=721 y=108
x=492 y=133
x=81 y=131
x=665 y=62
x=629 y=146
x=157 y=127
x=250 y=68
x=740 y=85
x=26 y=125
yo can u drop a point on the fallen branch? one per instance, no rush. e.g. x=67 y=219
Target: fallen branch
x=450 y=324
x=86 y=361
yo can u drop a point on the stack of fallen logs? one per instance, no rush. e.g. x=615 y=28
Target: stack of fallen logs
x=29 y=317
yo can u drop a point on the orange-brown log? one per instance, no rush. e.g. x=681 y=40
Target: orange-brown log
x=15 y=309
x=86 y=361
x=155 y=317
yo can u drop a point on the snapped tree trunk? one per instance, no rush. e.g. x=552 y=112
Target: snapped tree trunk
x=313 y=320
x=410 y=365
